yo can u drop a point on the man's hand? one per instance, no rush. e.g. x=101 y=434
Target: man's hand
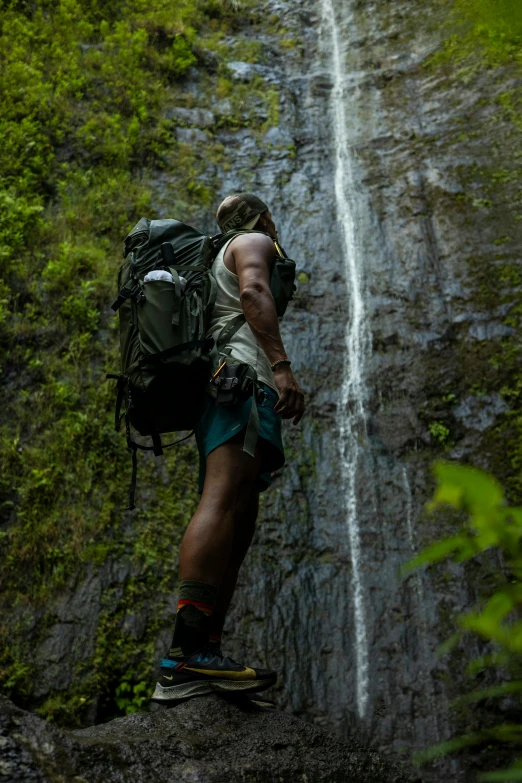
x=291 y=398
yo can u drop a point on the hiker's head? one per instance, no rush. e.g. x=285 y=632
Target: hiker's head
x=245 y=211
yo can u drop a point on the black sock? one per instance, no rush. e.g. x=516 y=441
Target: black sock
x=195 y=604
x=214 y=640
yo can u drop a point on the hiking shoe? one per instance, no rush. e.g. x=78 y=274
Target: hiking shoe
x=205 y=672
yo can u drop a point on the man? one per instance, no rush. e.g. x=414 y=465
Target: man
x=220 y=532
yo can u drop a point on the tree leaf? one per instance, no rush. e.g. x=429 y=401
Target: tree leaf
x=450 y=643
x=514 y=773
x=489 y=693
x=443 y=748
x=434 y=553
x=485 y=661
x=507 y=732
x=465 y=487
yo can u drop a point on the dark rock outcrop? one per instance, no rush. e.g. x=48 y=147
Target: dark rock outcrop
x=207 y=740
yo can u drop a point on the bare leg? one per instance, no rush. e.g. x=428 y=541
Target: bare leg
x=209 y=539
x=244 y=528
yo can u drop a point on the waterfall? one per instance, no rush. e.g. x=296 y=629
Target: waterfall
x=351 y=409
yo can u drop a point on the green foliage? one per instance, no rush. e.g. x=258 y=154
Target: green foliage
x=131 y=698
x=84 y=88
x=494 y=26
x=491 y=525
x=515 y=773
x=497 y=17
x=439 y=431
x=484 y=45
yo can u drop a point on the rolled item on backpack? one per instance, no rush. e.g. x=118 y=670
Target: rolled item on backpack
x=162 y=274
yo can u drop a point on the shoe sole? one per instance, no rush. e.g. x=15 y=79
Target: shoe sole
x=200 y=687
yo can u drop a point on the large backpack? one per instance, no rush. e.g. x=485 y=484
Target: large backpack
x=166 y=356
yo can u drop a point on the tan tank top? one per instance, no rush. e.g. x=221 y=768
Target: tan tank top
x=243 y=345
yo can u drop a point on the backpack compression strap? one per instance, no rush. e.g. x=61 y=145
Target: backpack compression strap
x=227 y=334
x=252 y=428
x=157 y=448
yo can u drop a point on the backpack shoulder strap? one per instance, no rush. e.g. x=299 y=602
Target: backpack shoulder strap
x=221 y=239
x=237 y=322
x=229 y=331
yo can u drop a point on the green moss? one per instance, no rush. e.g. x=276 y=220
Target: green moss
x=493 y=26
x=485 y=43
x=247 y=51
x=84 y=86
x=439 y=431
x=272 y=98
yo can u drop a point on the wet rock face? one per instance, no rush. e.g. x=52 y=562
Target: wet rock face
x=425 y=245
x=423 y=250
x=202 y=741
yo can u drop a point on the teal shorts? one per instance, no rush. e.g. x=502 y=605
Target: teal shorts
x=217 y=425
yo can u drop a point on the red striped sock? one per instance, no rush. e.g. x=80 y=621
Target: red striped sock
x=195 y=605
x=214 y=639
x=201 y=605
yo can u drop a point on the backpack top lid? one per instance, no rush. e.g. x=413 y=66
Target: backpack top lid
x=190 y=245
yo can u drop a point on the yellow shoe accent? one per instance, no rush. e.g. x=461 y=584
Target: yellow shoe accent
x=246 y=674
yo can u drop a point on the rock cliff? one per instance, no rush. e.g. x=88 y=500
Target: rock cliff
x=202 y=741
x=435 y=248
x=428 y=164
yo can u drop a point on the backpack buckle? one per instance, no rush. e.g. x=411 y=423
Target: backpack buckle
x=128 y=292
x=227 y=384
x=234 y=385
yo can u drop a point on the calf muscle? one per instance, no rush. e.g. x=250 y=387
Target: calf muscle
x=208 y=543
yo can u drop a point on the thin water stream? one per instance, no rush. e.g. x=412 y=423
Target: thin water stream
x=422 y=625
x=351 y=410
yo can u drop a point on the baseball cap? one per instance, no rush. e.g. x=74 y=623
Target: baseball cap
x=239 y=209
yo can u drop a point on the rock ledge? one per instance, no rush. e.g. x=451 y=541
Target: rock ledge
x=205 y=740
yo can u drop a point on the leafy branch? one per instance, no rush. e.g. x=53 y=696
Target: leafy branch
x=491 y=525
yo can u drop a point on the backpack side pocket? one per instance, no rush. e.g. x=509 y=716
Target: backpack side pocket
x=158 y=315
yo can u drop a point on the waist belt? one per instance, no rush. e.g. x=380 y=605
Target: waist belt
x=233 y=384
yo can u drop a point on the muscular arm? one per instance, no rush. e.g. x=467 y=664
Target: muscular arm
x=251 y=258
